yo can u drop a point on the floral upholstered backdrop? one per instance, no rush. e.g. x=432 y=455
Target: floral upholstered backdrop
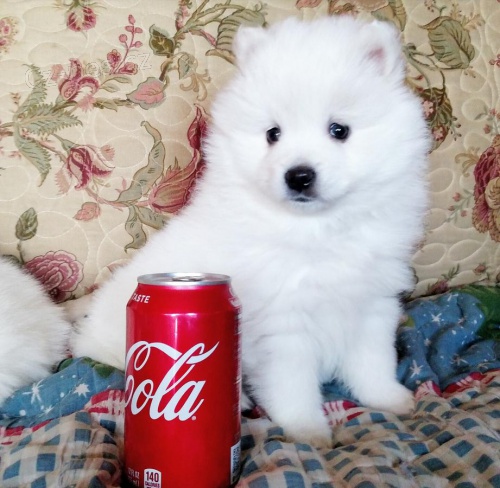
x=104 y=103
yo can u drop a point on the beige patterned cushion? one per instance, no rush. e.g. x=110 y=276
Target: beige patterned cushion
x=103 y=103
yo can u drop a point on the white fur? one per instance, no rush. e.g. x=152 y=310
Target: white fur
x=33 y=332
x=318 y=281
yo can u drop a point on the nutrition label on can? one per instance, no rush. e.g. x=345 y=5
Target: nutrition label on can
x=152 y=478
x=235 y=462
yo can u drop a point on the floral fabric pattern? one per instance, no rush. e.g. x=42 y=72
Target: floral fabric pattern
x=80 y=14
x=486 y=213
x=7 y=32
x=58 y=271
x=104 y=107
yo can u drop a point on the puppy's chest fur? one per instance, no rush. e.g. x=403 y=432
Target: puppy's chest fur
x=316 y=288
x=301 y=275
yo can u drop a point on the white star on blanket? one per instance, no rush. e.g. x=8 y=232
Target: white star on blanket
x=82 y=389
x=34 y=392
x=415 y=369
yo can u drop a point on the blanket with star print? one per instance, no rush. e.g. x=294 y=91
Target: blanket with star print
x=67 y=430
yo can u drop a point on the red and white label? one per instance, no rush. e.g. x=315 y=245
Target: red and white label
x=187 y=399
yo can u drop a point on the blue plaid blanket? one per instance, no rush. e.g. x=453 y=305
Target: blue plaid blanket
x=67 y=430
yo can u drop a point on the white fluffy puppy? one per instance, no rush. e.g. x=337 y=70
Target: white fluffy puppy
x=312 y=200
x=34 y=334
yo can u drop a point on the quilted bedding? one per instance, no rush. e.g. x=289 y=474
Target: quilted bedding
x=67 y=430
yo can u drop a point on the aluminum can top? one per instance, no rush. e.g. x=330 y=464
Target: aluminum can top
x=184 y=279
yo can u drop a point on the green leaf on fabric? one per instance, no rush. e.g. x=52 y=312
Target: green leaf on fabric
x=394 y=12
x=46 y=119
x=120 y=79
x=160 y=41
x=150 y=218
x=110 y=87
x=450 y=42
x=34 y=153
x=38 y=93
x=441 y=116
x=489 y=303
x=145 y=177
x=106 y=103
x=65 y=143
x=230 y=25
x=133 y=227
x=185 y=65
x=27 y=225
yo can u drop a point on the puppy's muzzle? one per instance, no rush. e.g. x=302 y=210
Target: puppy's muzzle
x=300 y=181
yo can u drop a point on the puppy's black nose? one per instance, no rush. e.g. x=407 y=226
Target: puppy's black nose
x=300 y=178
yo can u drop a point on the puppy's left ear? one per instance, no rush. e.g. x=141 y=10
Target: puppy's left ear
x=247 y=38
x=383 y=48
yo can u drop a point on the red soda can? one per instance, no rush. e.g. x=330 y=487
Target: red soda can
x=183 y=379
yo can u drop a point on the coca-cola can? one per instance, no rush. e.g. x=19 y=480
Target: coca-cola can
x=183 y=380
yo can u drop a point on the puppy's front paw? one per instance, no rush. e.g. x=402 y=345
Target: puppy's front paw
x=394 y=398
x=320 y=439
x=403 y=402
x=311 y=428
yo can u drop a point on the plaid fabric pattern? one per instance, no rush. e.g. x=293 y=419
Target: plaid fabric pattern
x=451 y=440
x=78 y=450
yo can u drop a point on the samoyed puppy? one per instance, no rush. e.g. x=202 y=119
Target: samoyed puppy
x=34 y=334
x=312 y=201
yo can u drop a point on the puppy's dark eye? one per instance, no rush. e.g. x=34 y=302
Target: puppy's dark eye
x=339 y=131
x=273 y=135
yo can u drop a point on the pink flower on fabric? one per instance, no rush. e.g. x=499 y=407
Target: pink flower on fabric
x=88 y=211
x=5 y=27
x=486 y=211
x=8 y=32
x=197 y=131
x=119 y=63
x=114 y=58
x=118 y=66
x=71 y=86
x=128 y=69
x=85 y=162
x=81 y=18
x=174 y=189
x=59 y=272
x=148 y=94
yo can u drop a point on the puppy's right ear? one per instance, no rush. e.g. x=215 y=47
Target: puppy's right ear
x=383 y=48
x=247 y=38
